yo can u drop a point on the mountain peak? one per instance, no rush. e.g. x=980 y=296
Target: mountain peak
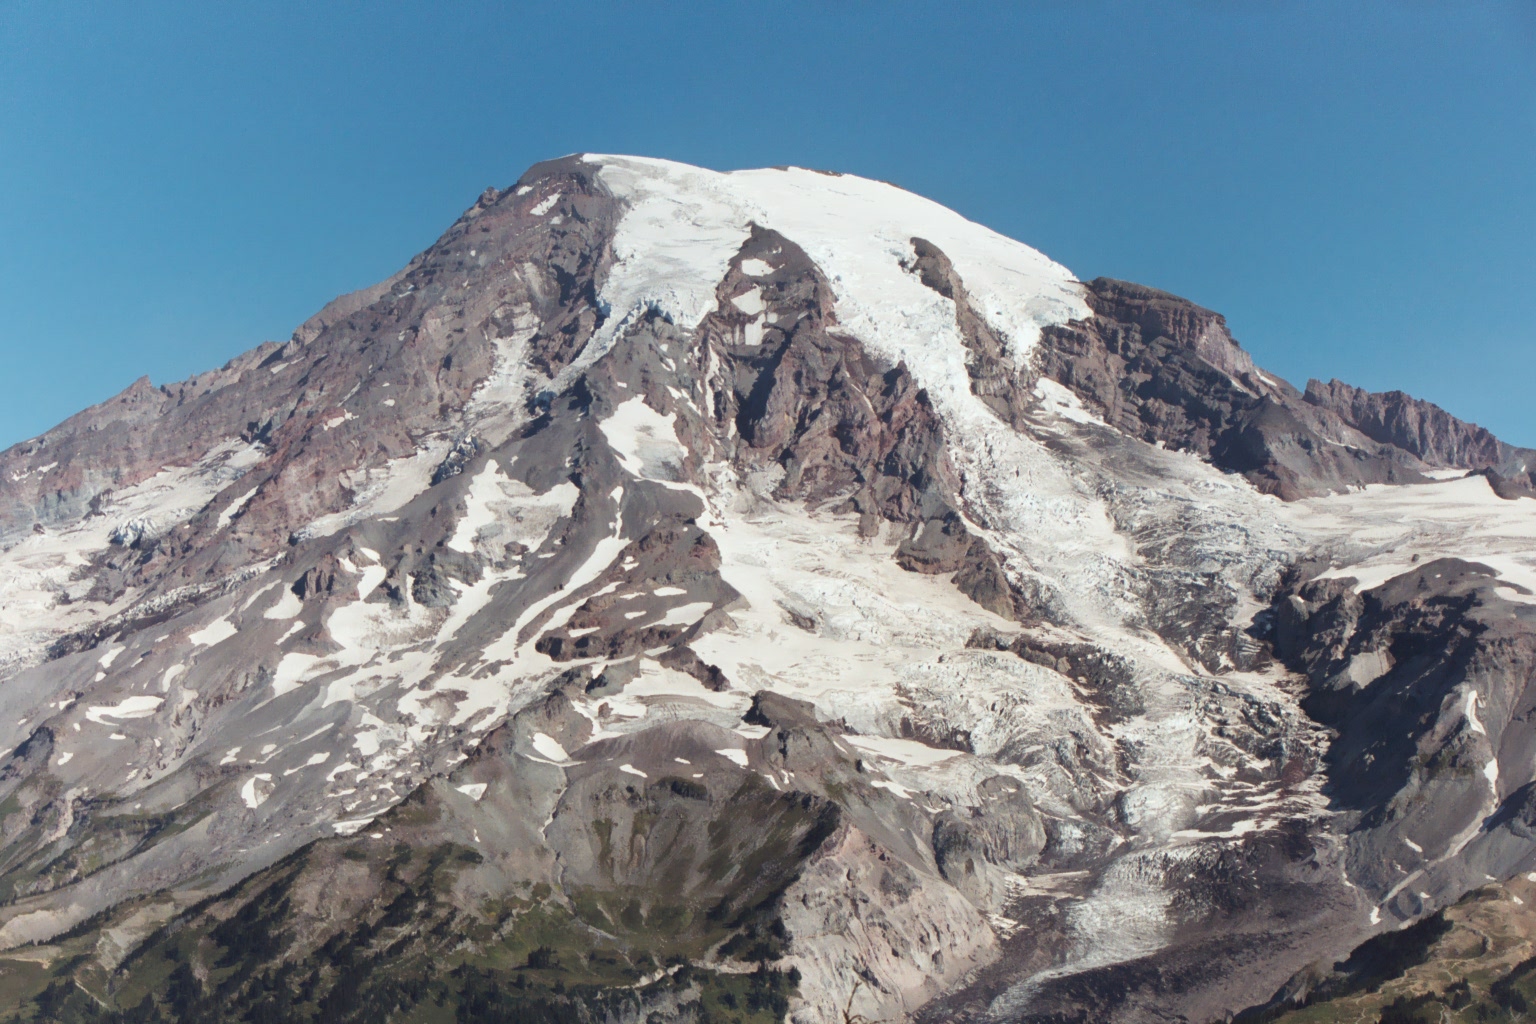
x=670 y=571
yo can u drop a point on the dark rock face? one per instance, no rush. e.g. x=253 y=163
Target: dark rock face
x=809 y=400
x=319 y=408
x=1003 y=831
x=1430 y=434
x=1428 y=681
x=1167 y=371
x=1421 y=428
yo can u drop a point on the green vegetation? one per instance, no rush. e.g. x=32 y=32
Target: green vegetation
x=678 y=914
x=1474 y=963
x=266 y=953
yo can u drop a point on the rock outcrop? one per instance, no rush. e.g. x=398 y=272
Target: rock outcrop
x=1167 y=371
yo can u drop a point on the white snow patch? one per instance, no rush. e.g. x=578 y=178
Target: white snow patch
x=345 y=766
x=908 y=752
x=658 y=687
x=752 y=332
x=292 y=670
x=235 y=507
x=473 y=790
x=1469 y=710
x=130 y=707
x=683 y=225
x=750 y=302
x=548 y=746
x=644 y=440
x=1399 y=527
x=215 y=632
x=686 y=614
x=373 y=575
x=478 y=512
x=252 y=795
x=1063 y=402
x=287 y=606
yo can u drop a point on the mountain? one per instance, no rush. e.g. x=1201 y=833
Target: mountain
x=719 y=597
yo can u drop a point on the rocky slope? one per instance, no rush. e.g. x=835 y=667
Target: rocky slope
x=1472 y=961
x=682 y=595
x=1429 y=432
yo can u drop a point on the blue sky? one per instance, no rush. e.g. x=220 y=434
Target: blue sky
x=1352 y=184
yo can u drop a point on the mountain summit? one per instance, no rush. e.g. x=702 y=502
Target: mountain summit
x=681 y=595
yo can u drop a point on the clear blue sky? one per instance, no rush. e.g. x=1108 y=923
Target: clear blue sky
x=1352 y=184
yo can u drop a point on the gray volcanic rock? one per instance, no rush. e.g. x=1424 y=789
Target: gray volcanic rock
x=1417 y=426
x=1167 y=371
x=693 y=596
x=318 y=411
x=1407 y=674
x=1430 y=433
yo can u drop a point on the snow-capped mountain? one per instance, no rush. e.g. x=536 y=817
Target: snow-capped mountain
x=725 y=596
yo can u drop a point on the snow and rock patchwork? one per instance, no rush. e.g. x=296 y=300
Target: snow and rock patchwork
x=46 y=578
x=764 y=567
x=683 y=225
